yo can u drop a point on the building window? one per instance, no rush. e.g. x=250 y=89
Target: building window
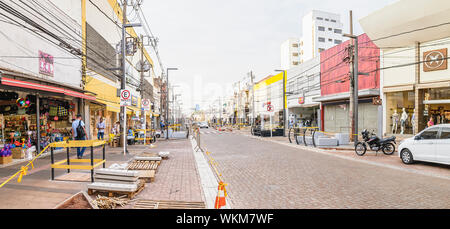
x=295 y=63
x=330 y=40
x=321 y=50
x=321 y=39
x=326 y=19
x=295 y=45
x=330 y=29
x=319 y=18
x=295 y=54
x=321 y=28
x=333 y=20
x=337 y=41
x=339 y=31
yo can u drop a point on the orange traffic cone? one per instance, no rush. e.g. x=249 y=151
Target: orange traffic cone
x=221 y=194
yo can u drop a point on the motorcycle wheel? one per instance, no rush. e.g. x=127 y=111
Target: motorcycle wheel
x=360 y=149
x=389 y=148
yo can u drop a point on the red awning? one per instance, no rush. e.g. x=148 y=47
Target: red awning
x=24 y=84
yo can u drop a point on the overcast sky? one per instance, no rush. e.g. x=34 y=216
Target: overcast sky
x=215 y=43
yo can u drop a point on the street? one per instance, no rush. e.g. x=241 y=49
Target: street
x=263 y=174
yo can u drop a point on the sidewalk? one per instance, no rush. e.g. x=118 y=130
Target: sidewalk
x=432 y=169
x=176 y=179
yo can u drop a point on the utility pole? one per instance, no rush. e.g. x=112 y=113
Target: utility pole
x=354 y=75
x=252 y=77
x=167 y=101
x=352 y=107
x=220 y=110
x=143 y=113
x=123 y=109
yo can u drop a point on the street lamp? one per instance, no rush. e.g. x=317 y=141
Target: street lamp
x=167 y=100
x=284 y=101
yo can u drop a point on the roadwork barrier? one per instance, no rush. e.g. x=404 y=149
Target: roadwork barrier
x=86 y=143
x=221 y=190
x=313 y=136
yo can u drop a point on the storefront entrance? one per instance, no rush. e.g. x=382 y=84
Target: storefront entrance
x=337 y=120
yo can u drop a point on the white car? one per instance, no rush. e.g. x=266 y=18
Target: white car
x=430 y=145
x=203 y=125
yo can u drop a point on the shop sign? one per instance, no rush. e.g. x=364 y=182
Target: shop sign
x=145 y=105
x=377 y=101
x=435 y=60
x=301 y=100
x=46 y=66
x=125 y=97
x=134 y=100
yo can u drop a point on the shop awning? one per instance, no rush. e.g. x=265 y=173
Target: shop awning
x=346 y=95
x=433 y=85
x=398 y=88
x=36 y=86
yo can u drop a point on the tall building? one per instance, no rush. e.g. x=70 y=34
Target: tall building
x=321 y=31
x=290 y=53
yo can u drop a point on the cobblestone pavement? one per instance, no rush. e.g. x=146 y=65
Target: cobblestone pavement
x=264 y=174
x=176 y=179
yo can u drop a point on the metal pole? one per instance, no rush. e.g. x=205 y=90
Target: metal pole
x=352 y=84
x=253 y=97
x=167 y=104
x=143 y=113
x=284 y=103
x=38 y=126
x=123 y=83
x=356 y=86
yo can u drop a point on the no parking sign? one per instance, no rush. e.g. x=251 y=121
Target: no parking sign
x=125 y=97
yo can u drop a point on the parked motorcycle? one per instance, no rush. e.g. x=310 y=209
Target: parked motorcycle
x=375 y=143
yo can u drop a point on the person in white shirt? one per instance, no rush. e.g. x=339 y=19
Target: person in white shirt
x=101 y=129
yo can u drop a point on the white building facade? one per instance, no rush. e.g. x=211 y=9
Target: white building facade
x=290 y=53
x=303 y=83
x=321 y=31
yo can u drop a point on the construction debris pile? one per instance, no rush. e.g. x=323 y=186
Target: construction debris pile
x=103 y=202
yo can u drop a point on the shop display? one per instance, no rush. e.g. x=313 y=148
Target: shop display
x=403 y=121
x=6 y=154
x=395 y=118
x=23 y=103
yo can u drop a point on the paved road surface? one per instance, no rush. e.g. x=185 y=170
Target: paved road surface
x=263 y=174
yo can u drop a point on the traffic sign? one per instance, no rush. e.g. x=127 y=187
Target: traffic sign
x=145 y=105
x=125 y=97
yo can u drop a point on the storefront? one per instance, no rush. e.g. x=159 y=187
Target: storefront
x=335 y=88
x=23 y=100
x=399 y=112
x=337 y=118
x=415 y=77
x=302 y=86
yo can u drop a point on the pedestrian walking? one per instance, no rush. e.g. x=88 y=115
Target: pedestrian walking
x=161 y=123
x=79 y=133
x=101 y=129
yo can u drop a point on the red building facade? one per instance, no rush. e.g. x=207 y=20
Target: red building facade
x=334 y=68
x=335 y=85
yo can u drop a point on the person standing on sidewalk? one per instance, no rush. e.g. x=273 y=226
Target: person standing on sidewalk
x=101 y=129
x=79 y=133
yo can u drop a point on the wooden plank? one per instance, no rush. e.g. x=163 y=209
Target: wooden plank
x=149 y=204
